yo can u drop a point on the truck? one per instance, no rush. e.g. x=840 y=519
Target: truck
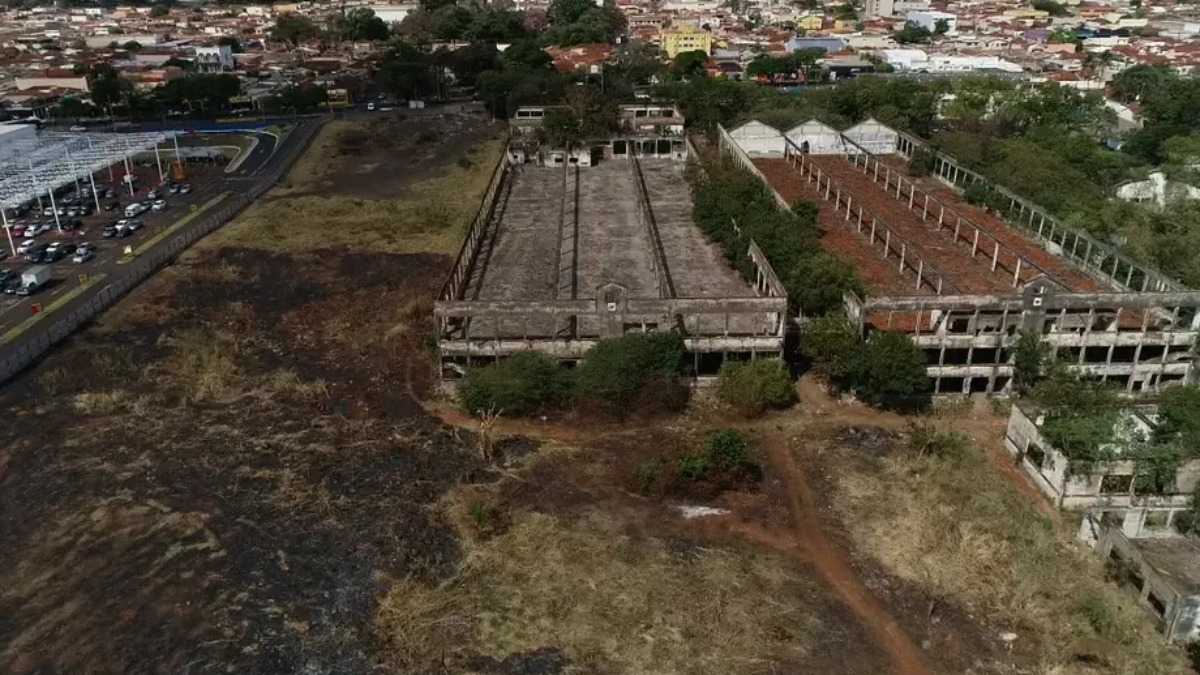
x=33 y=279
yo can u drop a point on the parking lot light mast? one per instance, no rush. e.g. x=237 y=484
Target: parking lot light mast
x=92 y=180
x=158 y=160
x=8 y=230
x=49 y=191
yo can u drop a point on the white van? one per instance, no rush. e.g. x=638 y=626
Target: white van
x=134 y=210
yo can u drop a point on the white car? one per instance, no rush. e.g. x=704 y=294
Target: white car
x=83 y=255
x=131 y=224
x=185 y=188
x=25 y=246
x=78 y=127
x=159 y=205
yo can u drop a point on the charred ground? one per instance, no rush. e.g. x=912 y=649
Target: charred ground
x=234 y=472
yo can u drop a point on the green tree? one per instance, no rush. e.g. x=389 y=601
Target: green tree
x=941 y=27
x=360 y=23
x=526 y=54
x=690 y=64
x=105 y=87
x=845 y=12
x=1079 y=417
x=158 y=11
x=912 y=34
x=635 y=370
x=1055 y=9
x=1029 y=360
x=293 y=29
x=819 y=281
x=832 y=343
x=132 y=46
x=889 y=368
x=527 y=383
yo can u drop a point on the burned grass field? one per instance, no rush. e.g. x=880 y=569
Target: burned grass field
x=237 y=470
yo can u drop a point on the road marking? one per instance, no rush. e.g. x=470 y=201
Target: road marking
x=146 y=245
x=52 y=307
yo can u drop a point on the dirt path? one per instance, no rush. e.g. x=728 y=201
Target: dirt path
x=833 y=564
x=805 y=540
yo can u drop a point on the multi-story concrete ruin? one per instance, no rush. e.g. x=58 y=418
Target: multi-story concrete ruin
x=572 y=245
x=964 y=280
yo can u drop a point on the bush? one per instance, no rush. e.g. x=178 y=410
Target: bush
x=693 y=467
x=806 y=211
x=818 y=282
x=649 y=473
x=832 y=343
x=617 y=371
x=921 y=164
x=978 y=193
x=753 y=387
x=926 y=439
x=726 y=450
x=524 y=384
x=888 y=368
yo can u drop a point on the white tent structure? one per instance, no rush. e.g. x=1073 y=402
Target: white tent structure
x=875 y=137
x=817 y=138
x=759 y=140
x=33 y=166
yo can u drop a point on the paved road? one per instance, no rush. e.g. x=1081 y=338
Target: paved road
x=14 y=310
x=258 y=157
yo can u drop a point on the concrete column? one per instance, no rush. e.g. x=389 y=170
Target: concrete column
x=995 y=255
x=903 y=252
x=158 y=160
x=128 y=172
x=925 y=209
x=920 y=271
x=1017 y=274
x=975 y=243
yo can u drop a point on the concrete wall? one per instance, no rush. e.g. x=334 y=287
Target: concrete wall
x=759 y=140
x=1051 y=472
x=1177 y=610
x=876 y=137
x=821 y=138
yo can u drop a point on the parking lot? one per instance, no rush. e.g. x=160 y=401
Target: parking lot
x=207 y=182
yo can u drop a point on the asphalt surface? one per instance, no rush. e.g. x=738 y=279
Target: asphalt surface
x=207 y=182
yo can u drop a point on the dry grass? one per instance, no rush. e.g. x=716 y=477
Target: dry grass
x=100 y=402
x=202 y=367
x=430 y=218
x=318 y=162
x=969 y=535
x=610 y=601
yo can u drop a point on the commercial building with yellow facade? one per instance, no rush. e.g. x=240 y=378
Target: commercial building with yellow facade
x=686 y=39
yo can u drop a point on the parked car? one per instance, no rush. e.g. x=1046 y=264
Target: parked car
x=78 y=127
x=83 y=255
x=173 y=188
x=112 y=206
x=159 y=205
x=64 y=246
x=131 y=224
x=185 y=188
x=3 y=254
x=109 y=231
x=35 y=252
x=5 y=275
x=11 y=285
x=25 y=246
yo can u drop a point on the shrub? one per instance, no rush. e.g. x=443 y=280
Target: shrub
x=726 y=450
x=888 y=367
x=752 y=387
x=817 y=283
x=693 y=467
x=523 y=384
x=926 y=439
x=616 y=371
x=832 y=343
x=806 y=211
x=978 y=193
x=649 y=473
x=921 y=164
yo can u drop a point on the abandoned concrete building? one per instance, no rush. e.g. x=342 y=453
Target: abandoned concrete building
x=572 y=246
x=1107 y=486
x=645 y=130
x=962 y=280
x=1163 y=571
